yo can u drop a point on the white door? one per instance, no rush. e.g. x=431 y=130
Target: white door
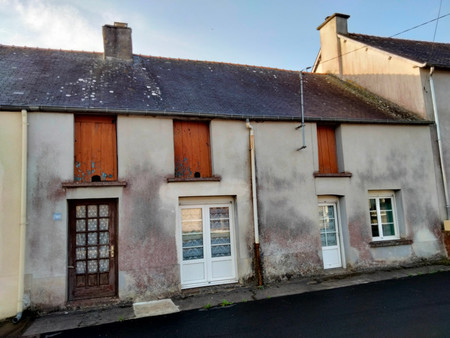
x=329 y=235
x=207 y=245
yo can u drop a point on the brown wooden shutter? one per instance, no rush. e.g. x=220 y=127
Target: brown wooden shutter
x=326 y=141
x=192 y=149
x=95 y=149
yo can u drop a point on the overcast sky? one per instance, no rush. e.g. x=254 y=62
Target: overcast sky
x=272 y=33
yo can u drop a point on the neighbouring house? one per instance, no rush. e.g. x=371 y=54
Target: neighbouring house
x=412 y=74
x=149 y=175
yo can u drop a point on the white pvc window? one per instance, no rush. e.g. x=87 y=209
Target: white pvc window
x=383 y=218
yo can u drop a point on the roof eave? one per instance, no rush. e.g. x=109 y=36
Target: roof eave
x=174 y=113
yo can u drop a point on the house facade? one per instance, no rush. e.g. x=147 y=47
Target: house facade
x=412 y=74
x=140 y=174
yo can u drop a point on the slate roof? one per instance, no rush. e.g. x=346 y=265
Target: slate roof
x=429 y=53
x=54 y=80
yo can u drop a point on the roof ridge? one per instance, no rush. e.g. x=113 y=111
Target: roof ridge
x=394 y=38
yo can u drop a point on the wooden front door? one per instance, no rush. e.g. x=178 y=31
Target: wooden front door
x=92 y=249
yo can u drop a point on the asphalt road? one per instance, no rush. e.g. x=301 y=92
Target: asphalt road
x=410 y=307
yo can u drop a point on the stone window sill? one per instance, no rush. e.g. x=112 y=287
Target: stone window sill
x=394 y=242
x=342 y=174
x=173 y=179
x=71 y=185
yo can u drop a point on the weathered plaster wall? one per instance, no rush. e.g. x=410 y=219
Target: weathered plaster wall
x=149 y=232
x=380 y=157
x=50 y=162
x=441 y=80
x=10 y=181
x=395 y=158
x=290 y=237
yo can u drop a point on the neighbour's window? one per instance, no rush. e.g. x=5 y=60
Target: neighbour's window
x=95 y=149
x=383 y=216
x=326 y=142
x=192 y=149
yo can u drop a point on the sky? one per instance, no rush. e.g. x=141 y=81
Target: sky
x=269 y=33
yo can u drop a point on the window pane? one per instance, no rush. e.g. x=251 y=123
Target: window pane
x=192 y=253
x=388 y=229
x=219 y=213
x=373 y=217
x=385 y=204
x=192 y=233
x=372 y=204
x=387 y=217
x=191 y=214
x=375 y=231
x=221 y=251
x=331 y=239
x=323 y=239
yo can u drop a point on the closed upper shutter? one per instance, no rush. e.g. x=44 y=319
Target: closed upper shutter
x=95 y=149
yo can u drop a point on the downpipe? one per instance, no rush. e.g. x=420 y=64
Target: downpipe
x=258 y=269
x=23 y=218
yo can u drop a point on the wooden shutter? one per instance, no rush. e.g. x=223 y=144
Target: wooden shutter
x=95 y=149
x=192 y=149
x=326 y=141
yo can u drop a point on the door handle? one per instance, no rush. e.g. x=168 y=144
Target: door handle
x=112 y=251
x=71 y=267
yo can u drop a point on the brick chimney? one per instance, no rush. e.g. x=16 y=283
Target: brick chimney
x=330 y=42
x=117 y=41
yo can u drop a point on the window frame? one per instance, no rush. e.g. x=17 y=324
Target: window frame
x=377 y=196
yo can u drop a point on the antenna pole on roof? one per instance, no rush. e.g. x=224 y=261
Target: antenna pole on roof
x=302 y=110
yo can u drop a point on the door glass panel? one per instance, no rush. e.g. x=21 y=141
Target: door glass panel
x=104 y=223
x=192 y=233
x=92 y=211
x=92 y=238
x=220 y=231
x=104 y=237
x=331 y=239
x=104 y=210
x=104 y=265
x=81 y=225
x=81 y=253
x=81 y=267
x=92 y=224
x=81 y=211
x=92 y=252
x=92 y=266
x=104 y=251
x=81 y=239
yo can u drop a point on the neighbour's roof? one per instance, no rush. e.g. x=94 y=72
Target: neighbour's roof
x=429 y=53
x=55 y=80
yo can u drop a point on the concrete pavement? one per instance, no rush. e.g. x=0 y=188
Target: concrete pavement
x=205 y=298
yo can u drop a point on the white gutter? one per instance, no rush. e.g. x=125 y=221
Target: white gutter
x=23 y=218
x=438 y=131
x=255 y=203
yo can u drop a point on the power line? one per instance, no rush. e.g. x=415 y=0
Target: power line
x=422 y=24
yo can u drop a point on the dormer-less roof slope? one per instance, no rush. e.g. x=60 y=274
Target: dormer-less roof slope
x=53 y=80
x=429 y=53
